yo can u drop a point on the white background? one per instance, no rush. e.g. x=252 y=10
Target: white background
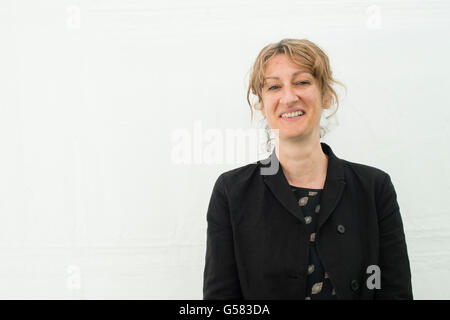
x=92 y=205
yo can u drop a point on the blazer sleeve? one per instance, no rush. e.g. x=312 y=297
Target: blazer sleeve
x=393 y=256
x=220 y=280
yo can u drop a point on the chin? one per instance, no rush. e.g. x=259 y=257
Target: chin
x=291 y=135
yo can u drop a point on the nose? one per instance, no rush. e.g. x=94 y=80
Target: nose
x=288 y=96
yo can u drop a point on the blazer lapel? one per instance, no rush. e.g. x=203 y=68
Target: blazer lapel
x=332 y=193
x=279 y=186
x=334 y=185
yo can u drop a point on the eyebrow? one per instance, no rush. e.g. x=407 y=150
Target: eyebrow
x=293 y=75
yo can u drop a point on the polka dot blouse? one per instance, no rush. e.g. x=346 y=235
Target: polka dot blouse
x=318 y=284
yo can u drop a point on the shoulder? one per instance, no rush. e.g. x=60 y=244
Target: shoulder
x=362 y=177
x=240 y=183
x=363 y=170
x=367 y=176
x=238 y=176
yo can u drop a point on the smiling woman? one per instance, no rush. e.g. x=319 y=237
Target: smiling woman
x=311 y=74
x=315 y=227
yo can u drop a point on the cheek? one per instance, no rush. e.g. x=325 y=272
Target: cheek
x=269 y=105
x=310 y=96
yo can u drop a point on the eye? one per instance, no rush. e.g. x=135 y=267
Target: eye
x=301 y=82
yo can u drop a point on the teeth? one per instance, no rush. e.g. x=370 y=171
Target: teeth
x=292 y=114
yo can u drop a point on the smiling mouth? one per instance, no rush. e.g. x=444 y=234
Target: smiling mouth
x=291 y=115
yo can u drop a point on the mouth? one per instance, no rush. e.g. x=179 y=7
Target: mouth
x=292 y=116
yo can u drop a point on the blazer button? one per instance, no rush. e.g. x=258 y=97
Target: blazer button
x=355 y=285
x=340 y=228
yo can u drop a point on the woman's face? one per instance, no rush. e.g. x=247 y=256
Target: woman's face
x=289 y=87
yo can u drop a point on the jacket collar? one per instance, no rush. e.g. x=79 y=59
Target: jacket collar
x=279 y=186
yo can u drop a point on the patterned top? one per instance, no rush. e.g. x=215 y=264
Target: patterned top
x=318 y=284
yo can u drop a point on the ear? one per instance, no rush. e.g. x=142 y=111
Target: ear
x=326 y=101
x=261 y=108
x=263 y=112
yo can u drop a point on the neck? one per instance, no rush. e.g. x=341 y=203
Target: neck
x=303 y=162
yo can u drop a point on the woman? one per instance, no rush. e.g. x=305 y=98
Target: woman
x=303 y=224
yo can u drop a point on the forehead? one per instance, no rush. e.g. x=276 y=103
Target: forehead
x=304 y=72
x=282 y=66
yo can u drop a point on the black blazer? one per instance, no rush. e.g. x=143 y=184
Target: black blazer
x=257 y=246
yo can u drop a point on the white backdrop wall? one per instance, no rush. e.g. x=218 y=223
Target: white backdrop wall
x=92 y=203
